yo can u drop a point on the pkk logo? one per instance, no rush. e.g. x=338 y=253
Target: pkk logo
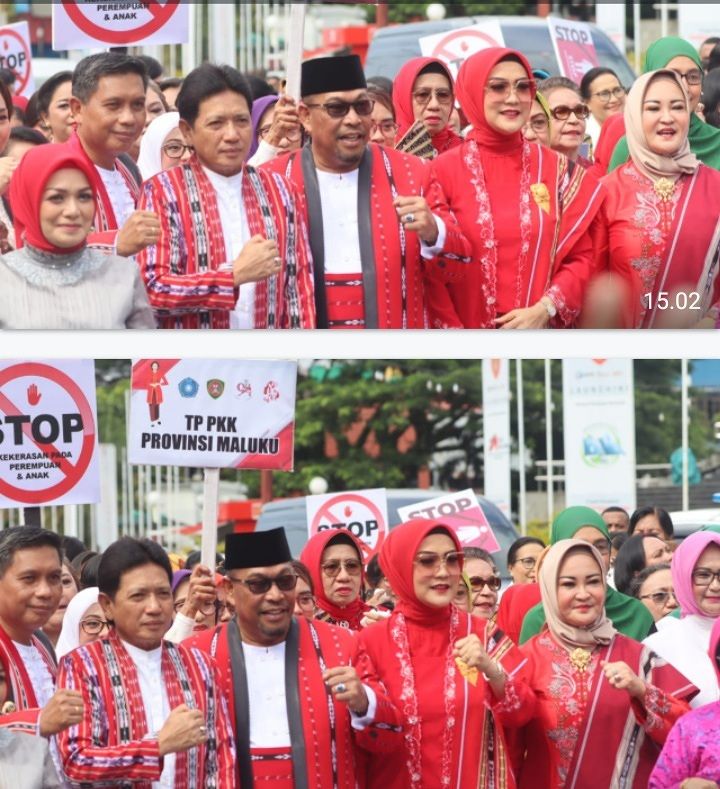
x=188 y=387
x=271 y=392
x=244 y=388
x=215 y=388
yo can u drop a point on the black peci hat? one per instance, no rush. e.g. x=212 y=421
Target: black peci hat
x=256 y=549
x=335 y=73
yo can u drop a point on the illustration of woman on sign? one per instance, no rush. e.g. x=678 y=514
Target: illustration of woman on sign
x=154 y=392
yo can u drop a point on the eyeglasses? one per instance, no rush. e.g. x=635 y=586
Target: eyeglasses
x=339 y=109
x=659 y=598
x=692 y=77
x=539 y=124
x=176 y=149
x=423 y=96
x=432 y=561
x=601 y=546
x=206 y=610
x=703 y=577
x=386 y=127
x=292 y=135
x=502 y=88
x=285 y=583
x=606 y=95
x=305 y=600
x=351 y=566
x=563 y=112
x=528 y=562
x=93 y=627
x=477 y=582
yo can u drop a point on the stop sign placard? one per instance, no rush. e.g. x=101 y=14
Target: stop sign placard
x=48 y=433
x=362 y=512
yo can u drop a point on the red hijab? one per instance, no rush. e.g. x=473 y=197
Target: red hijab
x=26 y=191
x=611 y=133
x=397 y=557
x=403 y=102
x=311 y=557
x=516 y=601
x=470 y=89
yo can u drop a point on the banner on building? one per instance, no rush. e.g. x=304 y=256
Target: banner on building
x=599 y=429
x=48 y=433
x=212 y=413
x=496 y=431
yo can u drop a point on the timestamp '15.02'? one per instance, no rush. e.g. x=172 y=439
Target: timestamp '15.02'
x=664 y=300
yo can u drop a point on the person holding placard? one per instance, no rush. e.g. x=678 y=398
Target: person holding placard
x=301 y=693
x=108 y=106
x=371 y=231
x=233 y=249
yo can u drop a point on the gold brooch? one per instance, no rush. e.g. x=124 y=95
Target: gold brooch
x=664 y=188
x=580 y=658
x=541 y=196
x=470 y=674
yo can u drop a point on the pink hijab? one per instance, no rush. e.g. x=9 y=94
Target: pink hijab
x=683 y=563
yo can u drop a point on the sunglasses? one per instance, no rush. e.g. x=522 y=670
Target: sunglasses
x=502 y=88
x=563 y=112
x=332 y=568
x=432 y=561
x=423 y=96
x=659 y=598
x=339 y=109
x=262 y=585
x=176 y=149
x=477 y=583
x=93 y=627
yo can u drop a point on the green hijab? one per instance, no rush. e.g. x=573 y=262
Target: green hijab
x=629 y=616
x=704 y=139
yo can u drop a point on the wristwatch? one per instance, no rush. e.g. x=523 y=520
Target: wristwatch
x=547 y=302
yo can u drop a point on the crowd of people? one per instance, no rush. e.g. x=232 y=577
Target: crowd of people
x=598 y=666
x=505 y=198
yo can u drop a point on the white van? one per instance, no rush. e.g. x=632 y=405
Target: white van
x=392 y=46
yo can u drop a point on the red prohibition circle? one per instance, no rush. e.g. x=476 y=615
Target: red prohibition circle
x=161 y=15
x=345 y=498
x=441 y=50
x=23 y=78
x=88 y=444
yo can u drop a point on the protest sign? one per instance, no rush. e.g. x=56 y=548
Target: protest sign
x=573 y=46
x=455 y=46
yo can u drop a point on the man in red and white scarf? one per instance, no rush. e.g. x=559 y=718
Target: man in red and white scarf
x=153 y=713
x=30 y=591
x=108 y=105
x=233 y=250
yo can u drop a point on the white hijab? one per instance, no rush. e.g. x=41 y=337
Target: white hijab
x=70 y=633
x=150 y=158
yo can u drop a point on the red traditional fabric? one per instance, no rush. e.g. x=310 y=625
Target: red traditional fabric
x=611 y=132
x=188 y=283
x=403 y=102
x=339 y=648
x=345 y=301
x=516 y=601
x=26 y=714
x=272 y=768
x=585 y=732
x=401 y=291
x=452 y=722
x=112 y=742
x=662 y=246
x=106 y=227
x=26 y=193
x=522 y=213
x=348 y=616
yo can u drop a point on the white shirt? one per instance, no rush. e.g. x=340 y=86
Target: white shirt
x=120 y=198
x=155 y=700
x=236 y=233
x=265 y=671
x=341 y=236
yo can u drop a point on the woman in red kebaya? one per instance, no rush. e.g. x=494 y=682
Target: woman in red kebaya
x=524 y=211
x=423 y=91
x=433 y=661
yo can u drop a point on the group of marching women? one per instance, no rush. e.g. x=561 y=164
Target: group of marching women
x=592 y=693
x=557 y=204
